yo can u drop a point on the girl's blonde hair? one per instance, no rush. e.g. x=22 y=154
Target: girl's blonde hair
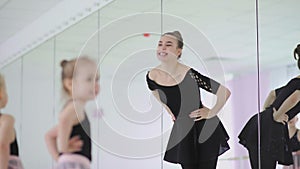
x=69 y=69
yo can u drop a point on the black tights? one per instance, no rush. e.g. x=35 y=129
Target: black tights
x=211 y=164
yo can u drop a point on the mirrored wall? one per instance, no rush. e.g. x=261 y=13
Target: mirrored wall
x=246 y=46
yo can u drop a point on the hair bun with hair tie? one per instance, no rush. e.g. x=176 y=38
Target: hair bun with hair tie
x=176 y=32
x=63 y=63
x=298 y=50
x=297 y=55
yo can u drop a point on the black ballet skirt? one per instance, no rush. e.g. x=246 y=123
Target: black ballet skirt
x=191 y=142
x=295 y=143
x=274 y=137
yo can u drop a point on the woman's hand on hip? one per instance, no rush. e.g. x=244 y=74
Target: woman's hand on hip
x=200 y=114
x=283 y=118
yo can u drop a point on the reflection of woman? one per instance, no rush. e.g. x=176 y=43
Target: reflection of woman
x=9 y=151
x=197 y=137
x=281 y=105
x=293 y=132
x=81 y=86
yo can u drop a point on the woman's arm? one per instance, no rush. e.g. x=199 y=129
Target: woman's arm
x=270 y=99
x=7 y=135
x=156 y=95
x=151 y=85
x=289 y=103
x=222 y=94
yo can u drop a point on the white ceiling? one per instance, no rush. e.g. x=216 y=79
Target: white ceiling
x=17 y=14
x=229 y=25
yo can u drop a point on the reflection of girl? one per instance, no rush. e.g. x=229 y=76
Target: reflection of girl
x=81 y=85
x=9 y=151
x=197 y=137
x=281 y=105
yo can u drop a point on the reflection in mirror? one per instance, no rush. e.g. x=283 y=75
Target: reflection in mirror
x=220 y=43
x=278 y=37
x=275 y=144
x=11 y=83
x=130 y=128
x=79 y=40
x=37 y=104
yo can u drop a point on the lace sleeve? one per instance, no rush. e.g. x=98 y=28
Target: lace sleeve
x=204 y=82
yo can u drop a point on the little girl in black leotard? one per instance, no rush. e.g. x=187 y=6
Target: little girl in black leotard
x=9 y=151
x=81 y=85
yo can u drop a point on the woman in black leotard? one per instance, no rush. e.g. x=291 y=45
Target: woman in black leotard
x=293 y=132
x=9 y=151
x=198 y=137
x=80 y=82
x=274 y=139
